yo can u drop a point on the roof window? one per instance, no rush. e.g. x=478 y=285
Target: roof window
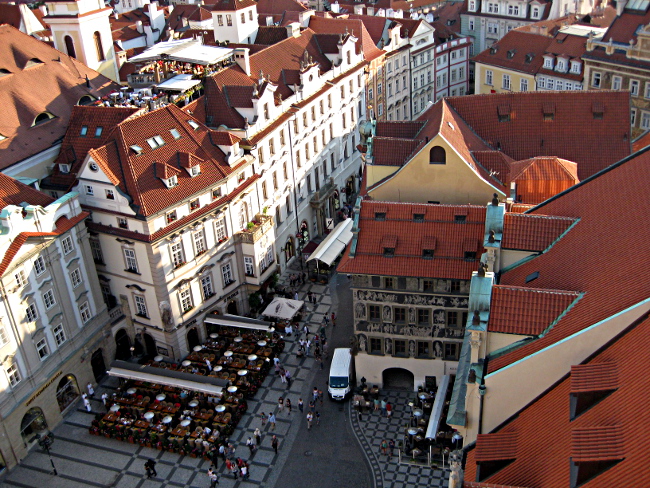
x=42 y=117
x=529 y=57
x=548 y=109
x=136 y=149
x=380 y=216
x=175 y=134
x=532 y=277
x=2 y=137
x=460 y=219
x=84 y=131
x=155 y=141
x=193 y=124
x=511 y=53
x=86 y=100
x=98 y=131
x=418 y=217
x=33 y=62
x=427 y=253
x=4 y=72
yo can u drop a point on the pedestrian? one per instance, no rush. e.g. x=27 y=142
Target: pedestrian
x=301 y=405
x=295 y=295
x=322 y=330
x=333 y=319
x=376 y=402
x=234 y=469
x=389 y=410
x=222 y=451
x=383 y=407
x=317 y=418
x=258 y=437
x=288 y=330
x=263 y=417
x=84 y=395
x=312 y=406
x=251 y=446
x=280 y=404
x=384 y=447
x=303 y=278
x=277 y=368
x=272 y=420
x=359 y=412
x=307 y=346
x=288 y=406
x=213 y=476
x=310 y=419
x=287 y=375
x=105 y=399
x=314 y=393
x=391 y=447
x=208 y=364
x=244 y=471
x=87 y=404
x=320 y=397
x=274 y=444
x=91 y=390
x=283 y=377
x=150 y=467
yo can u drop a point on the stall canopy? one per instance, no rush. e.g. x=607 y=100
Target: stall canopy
x=438 y=405
x=237 y=321
x=334 y=244
x=283 y=308
x=185 y=51
x=167 y=377
x=179 y=83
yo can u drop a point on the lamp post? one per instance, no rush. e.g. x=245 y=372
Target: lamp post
x=46 y=442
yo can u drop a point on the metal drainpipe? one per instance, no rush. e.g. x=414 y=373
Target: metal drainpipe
x=481 y=391
x=291 y=122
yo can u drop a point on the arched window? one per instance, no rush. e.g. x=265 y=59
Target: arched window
x=86 y=100
x=69 y=46
x=98 y=46
x=437 y=155
x=33 y=423
x=42 y=117
x=67 y=392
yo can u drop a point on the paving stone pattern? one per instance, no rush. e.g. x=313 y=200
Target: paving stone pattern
x=83 y=460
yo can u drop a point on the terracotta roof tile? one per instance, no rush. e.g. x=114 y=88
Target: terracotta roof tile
x=55 y=84
x=518 y=51
x=401 y=130
x=528 y=135
x=526 y=232
x=527 y=311
x=543 y=177
x=581 y=250
x=496 y=447
x=616 y=427
x=271 y=34
x=389 y=151
x=594 y=377
x=228 y=5
x=13 y=192
x=279 y=6
x=399 y=225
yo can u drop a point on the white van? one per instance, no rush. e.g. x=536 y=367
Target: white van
x=341 y=380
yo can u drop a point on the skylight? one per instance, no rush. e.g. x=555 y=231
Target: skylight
x=83 y=131
x=33 y=62
x=175 y=133
x=193 y=124
x=155 y=141
x=2 y=137
x=98 y=131
x=136 y=149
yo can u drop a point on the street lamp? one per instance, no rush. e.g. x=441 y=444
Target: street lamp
x=46 y=442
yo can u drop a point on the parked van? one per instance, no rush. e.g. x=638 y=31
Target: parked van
x=341 y=380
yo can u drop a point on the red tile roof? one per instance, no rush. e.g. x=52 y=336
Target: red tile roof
x=527 y=311
x=13 y=192
x=518 y=51
x=615 y=428
x=402 y=130
x=594 y=377
x=228 y=5
x=138 y=175
x=575 y=262
x=532 y=232
x=272 y=34
x=542 y=177
x=356 y=27
x=279 y=6
x=389 y=151
x=53 y=83
x=449 y=257
x=573 y=134
x=496 y=447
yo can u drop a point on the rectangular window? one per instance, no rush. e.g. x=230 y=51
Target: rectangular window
x=31 y=314
x=488 y=77
x=645 y=120
x=423 y=349
x=399 y=314
x=89 y=190
x=282 y=142
x=67 y=245
x=130 y=260
x=75 y=277
x=375 y=346
x=39 y=266
x=96 y=250
x=632 y=117
x=48 y=299
x=226 y=273
x=20 y=278
x=423 y=316
x=220 y=229
x=59 y=334
x=140 y=306
x=427 y=285
x=374 y=313
x=523 y=85
x=84 y=131
x=389 y=283
x=84 y=311
x=229 y=20
x=506 y=82
x=271 y=147
x=172 y=216
x=199 y=242
x=595 y=79
x=41 y=348
x=451 y=351
x=634 y=88
x=646 y=92
x=178 y=259
x=206 y=287
x=194 y=205
x=186 y=300
x=122 y=223
x=399 y=348
x=249 y=267
x=110 y=195
x=220 y=20
x=13 y=374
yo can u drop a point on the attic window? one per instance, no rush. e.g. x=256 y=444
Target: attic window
x=588 y=457
x=172 y=181
x=98 y=131
x=427 y=253
x=155 y=141
x=175 y=134
x=532 y=276
x=33 y=62
x=389 y=252
x=598 y=109
x=503 y=112
x=216 y=193
x=193 y=124
x=195 y=170
x=136 y=149
x=529 y=57
x=460 y=219
x=86 y=100
x=2 y=137
x=511 y=53
x=4 y=72
x=194 y=204
x=42 y=117
x=418 y=217
x=84 y=131
x=64 y=168
x=548 y=109
x=380 y=216
x=494 y=49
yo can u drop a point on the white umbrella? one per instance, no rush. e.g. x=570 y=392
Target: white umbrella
x=283 y=308
x=149 y=415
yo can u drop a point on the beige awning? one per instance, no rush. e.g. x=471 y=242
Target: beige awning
x=283 y=308
x=237 y=321
x=334 y=244
x=163 y=380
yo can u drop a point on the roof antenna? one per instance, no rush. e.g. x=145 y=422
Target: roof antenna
x=87 y=81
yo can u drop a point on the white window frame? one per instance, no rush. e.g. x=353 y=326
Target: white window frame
x=13 y=374
x=110 y=194
x=633 y=117
x=645 y=120
x=523 y=85
x=42 y=349
x=185 y=297
x=4 y=338
x=617 y=83
x=596 y=79
x=221 y=229
x=200 y=246
x=634 y=88
x=226 y=274
x=84 y=312
x=48 y=299
x=130 y=259
x=505 y=82
x=67 y=245
x=39 y=266
x=140 y=305
x=19 y=276
x=207 y=288
x=177 y=254
x=489 y=77
x=59 y=334
x=31 y=312
x=90 y=191
x=249 y=266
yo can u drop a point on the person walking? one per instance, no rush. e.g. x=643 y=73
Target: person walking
x=312 y=406
x=263 y=417
x=310 y=296
x=314 y=394
x=320 y=397
x=376 y=403
x=333 y=319
x=317 y=418
x=283 y=376
x=213 y=477
x=326 y=322
x=150 y=467
x=234 y=469
x=287 y=375
x=288 y=403
x=105 y=399
x=301 y=405
x=383 y=407
x=391 y=448
x=251 y=445
x=272 y=420
x=244 y=471
x=274 y=444
x=280 y=404
x=384 y=447
x=91 y=390
x=389 y=410
x=310 y=419
x=87 y=404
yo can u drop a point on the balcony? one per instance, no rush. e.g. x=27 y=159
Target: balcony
x=320 y=196
x=256 y=229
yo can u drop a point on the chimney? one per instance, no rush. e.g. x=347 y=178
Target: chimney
x=543 y=30
x=269 y=21
x=335 y=7
x=370 y=11
x=43 y=9
x=620 y=6
x=242 y=59
x=293 y=29
x=358 y=9
x=138 y=26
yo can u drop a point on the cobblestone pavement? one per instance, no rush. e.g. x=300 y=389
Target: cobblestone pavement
x=84 y=461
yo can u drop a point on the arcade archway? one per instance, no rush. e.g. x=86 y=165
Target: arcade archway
x=398 y=379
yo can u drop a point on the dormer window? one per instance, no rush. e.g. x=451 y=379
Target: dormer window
x=472 y=6
x=575 y=67
x=172 y=181
x=548 y=110
x=241 y=177
x=83 y=131
x=175 y=134
x=561 y=66
x=427 y=253
x=460 y=219
x=194 y=204
x=389 y=252
x=98 y=131
x=171 y=216
x=155 y=142
x=195 y=170
x=64 y=168
x=380 y=216
x=136 y=149
x=193 y=124
x=418 y=217
x=535 y=13
x=42 y=118
x=216 y=193
x=266 y=111
x=548 y=62
x=470 y=255
x=511 y=53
